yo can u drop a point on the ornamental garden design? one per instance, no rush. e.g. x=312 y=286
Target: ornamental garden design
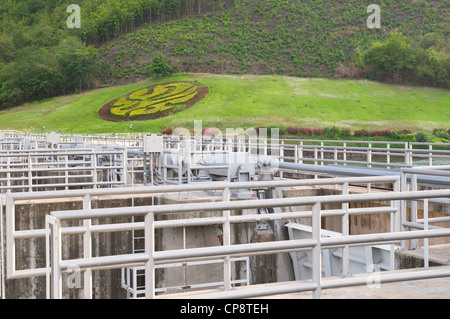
x=155 y=101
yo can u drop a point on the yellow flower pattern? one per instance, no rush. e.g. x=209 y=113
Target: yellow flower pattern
x=159 y=98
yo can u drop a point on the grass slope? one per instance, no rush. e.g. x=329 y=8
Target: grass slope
x=250 y=101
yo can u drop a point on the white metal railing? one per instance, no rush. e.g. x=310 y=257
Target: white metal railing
x=186 y=155
x=410 y=181
x=432 y=158
x=130 y=276
x=2 y=253
x=322 y=152
x=31 y=170
x=85 y=196
x=319 y=152
x=151 y=257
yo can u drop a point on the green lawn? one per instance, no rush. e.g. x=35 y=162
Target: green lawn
x=250 y=101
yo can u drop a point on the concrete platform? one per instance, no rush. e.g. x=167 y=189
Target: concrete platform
x=438 y=288
x=386 y=288
x=438 y=255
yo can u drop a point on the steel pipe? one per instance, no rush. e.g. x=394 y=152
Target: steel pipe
x=327 y=283
x=244 y=204
x=199 y=187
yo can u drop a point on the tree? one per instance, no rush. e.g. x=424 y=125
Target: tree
x=431 y=68
x=393 y=59
x=37 y=73
x=398 y=59
x=433 y=40
x=160 y=65
x=78 y=64
x=7 y=49
x=10 y=93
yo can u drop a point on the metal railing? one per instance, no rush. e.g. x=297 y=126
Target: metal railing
x=319 y=152
x=85 y=196
x=150 y=258
x=27 y=169
x=32 y=170
x=135 y=288
x=410 y=178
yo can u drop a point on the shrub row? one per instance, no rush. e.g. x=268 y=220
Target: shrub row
x=344 y=132
x=437 y=135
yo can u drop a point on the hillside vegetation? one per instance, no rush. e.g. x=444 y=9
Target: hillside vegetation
x=312 y=38
x=248 y=101
x=41 y=57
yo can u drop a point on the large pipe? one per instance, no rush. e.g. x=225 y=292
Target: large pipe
x=234 y=205
x=437 y=180
x=327 y=283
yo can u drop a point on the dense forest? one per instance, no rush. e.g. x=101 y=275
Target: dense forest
x=41 y=57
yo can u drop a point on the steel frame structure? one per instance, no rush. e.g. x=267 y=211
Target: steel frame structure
x=150 y=258
x=318 y=152
x=130 y=283
x=25 y=170
x=86 y=196
x=394 y=154
x=226 y=219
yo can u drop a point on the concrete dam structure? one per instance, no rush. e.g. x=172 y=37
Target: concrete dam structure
x=150 y=216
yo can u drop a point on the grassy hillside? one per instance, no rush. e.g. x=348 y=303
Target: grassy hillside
x=286 y=37
x=251 y=101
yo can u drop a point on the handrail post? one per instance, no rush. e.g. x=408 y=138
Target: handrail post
x=316 y=251
x=94 y=169
x=321 y=153
x=403 y=205
x=281 y=154
x=48 y=269
x=56 y=274
x=2 y=255
x=10 y=240
x=414 y=206
x=345 y=232
x=87 y=253
x=397 y=223
x=425 y=240
x=300 y=152
x=430 y=155
x=388 y=154
x=125 y=166
x=87 y=249
x=149 y=250
x=226 y=242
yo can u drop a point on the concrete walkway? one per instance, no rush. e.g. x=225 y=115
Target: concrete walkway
x=438 y=288
x=433 y=288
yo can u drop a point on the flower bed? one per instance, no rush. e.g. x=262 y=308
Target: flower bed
x=333 y=131
x=209 y=131
x=155 y=101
